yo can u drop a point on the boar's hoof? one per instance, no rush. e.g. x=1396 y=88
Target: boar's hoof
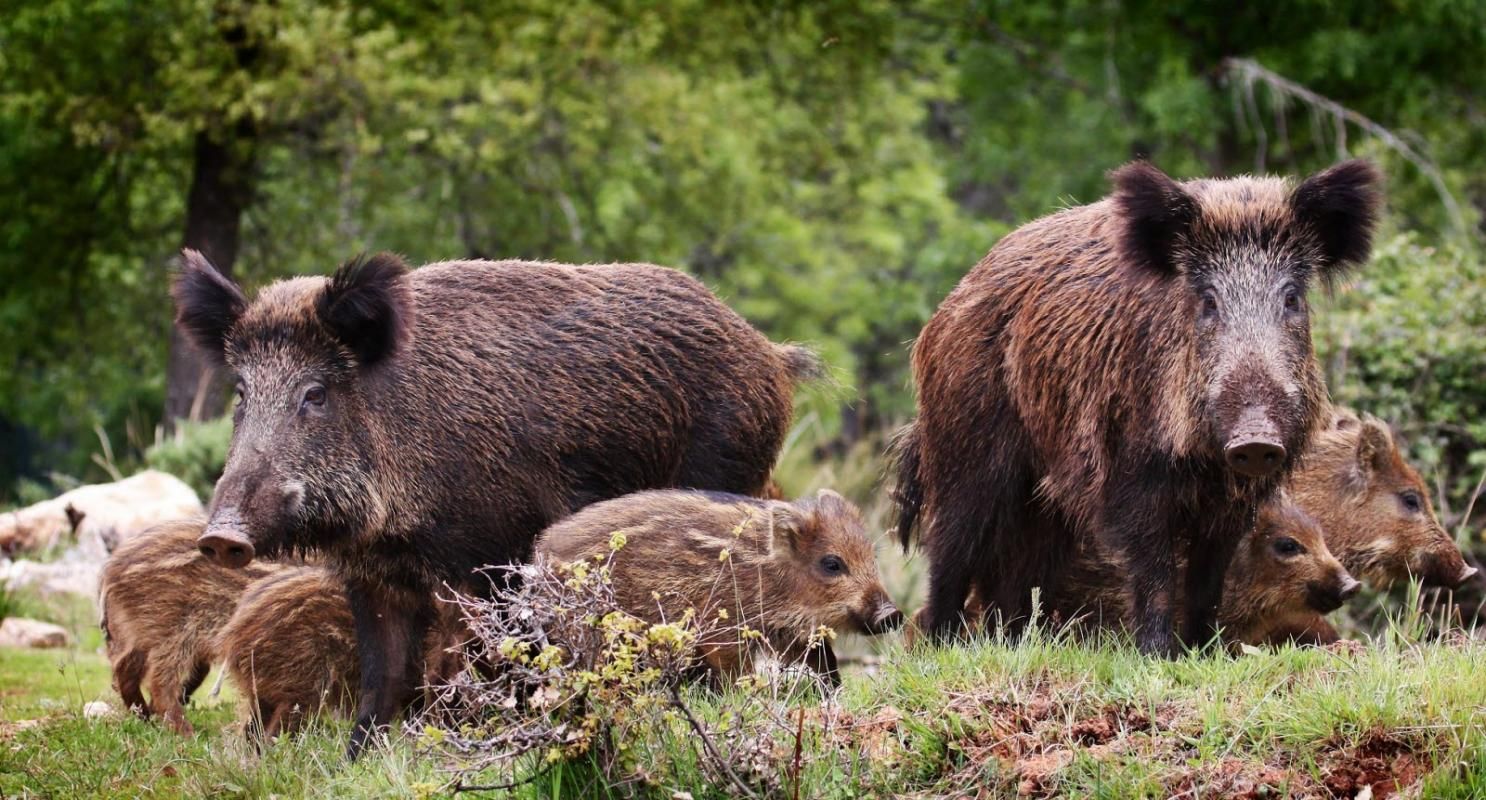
x=1254 y=458
x=229 y=549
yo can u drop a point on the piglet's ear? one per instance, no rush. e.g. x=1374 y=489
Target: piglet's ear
x=1340 y=208
x=368 y=306
x=207 y=305
x=1155 y=212
x=791 y=528
x=1374 y=445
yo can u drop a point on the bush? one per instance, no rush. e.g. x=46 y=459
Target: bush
x=196 y=454
x=1404 y=342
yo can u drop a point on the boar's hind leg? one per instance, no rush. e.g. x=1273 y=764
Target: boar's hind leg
x=973 y=529
x=194 y=680
x=128 y=674
x=1140 y=523
x=164 y=685
x=390 y=629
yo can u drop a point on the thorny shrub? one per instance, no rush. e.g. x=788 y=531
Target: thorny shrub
x=563 y=675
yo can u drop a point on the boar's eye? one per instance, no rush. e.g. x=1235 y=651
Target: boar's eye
x=1209 y=305
x=314 y=395
x=832 y=565
x=1411 y=500
x=1293 y=301
x=242 y=393
x=1286 y=546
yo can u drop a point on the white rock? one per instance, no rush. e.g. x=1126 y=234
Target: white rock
x=99 y=710
x=103 y=515
x=17 y=632
x=68 y=576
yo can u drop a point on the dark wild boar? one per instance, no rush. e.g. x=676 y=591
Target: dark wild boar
x=782 y=569
x=163 y=604
x=416 y=425
x=1139 y=372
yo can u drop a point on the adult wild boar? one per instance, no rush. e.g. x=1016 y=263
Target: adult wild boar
x=1137 y=371
x=415 y=425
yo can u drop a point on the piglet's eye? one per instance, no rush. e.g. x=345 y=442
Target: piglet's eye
x=832 y=565
x=1286 y=546
x=314 y=395
x=1411 y=501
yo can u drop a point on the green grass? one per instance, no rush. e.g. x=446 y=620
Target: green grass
x=1047 y=716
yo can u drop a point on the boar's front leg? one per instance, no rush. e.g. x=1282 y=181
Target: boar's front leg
x=390 y=626
x=1207 y=564
x=1139 y=524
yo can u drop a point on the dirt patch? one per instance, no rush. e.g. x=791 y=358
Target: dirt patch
x=1384 y=762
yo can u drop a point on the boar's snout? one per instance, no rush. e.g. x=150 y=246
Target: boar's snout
x=1465 y=575
x=226 y=542
x=1253 y=448
x=1331 y=595
x=882 y=618
x=1448 y=570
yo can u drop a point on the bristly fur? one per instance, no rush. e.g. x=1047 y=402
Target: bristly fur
x=1156 y=211
x=417 y=426
x=908 y=492
x=1352 y=481
x=163 y=604
x=207 y=304
x=1340 y=206
x=368 y=306
x=1084 y=380
x=757 y=560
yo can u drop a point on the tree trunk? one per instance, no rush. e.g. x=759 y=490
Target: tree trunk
x=221 y=186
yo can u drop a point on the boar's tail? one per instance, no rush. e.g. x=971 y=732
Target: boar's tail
x=802 y=363
x=908 y=494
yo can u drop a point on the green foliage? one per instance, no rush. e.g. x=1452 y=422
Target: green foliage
x=1403 y=341
x=196 y=454
x=831 y=169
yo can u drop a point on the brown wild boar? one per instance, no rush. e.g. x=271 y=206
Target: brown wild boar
x=290 y=650
x=163 y=604
x=1375 y=507
x=416 y=425
x=782 y=569
x=1137 y=372
x=1281 y=579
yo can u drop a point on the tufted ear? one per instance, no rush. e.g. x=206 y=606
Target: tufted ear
x=207 y=305
x=790 y=527
x=1155 y=211
x=368 y=306
x=1340 y=207
x=1374 y=444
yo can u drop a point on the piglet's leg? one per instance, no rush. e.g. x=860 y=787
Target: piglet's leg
x=390 y=629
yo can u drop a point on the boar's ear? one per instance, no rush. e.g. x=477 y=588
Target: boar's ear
x=1155 y=212
x=1374 y=445
x=1339 y=206
x=368 y=306
x=791 y=528
x=207 y=305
